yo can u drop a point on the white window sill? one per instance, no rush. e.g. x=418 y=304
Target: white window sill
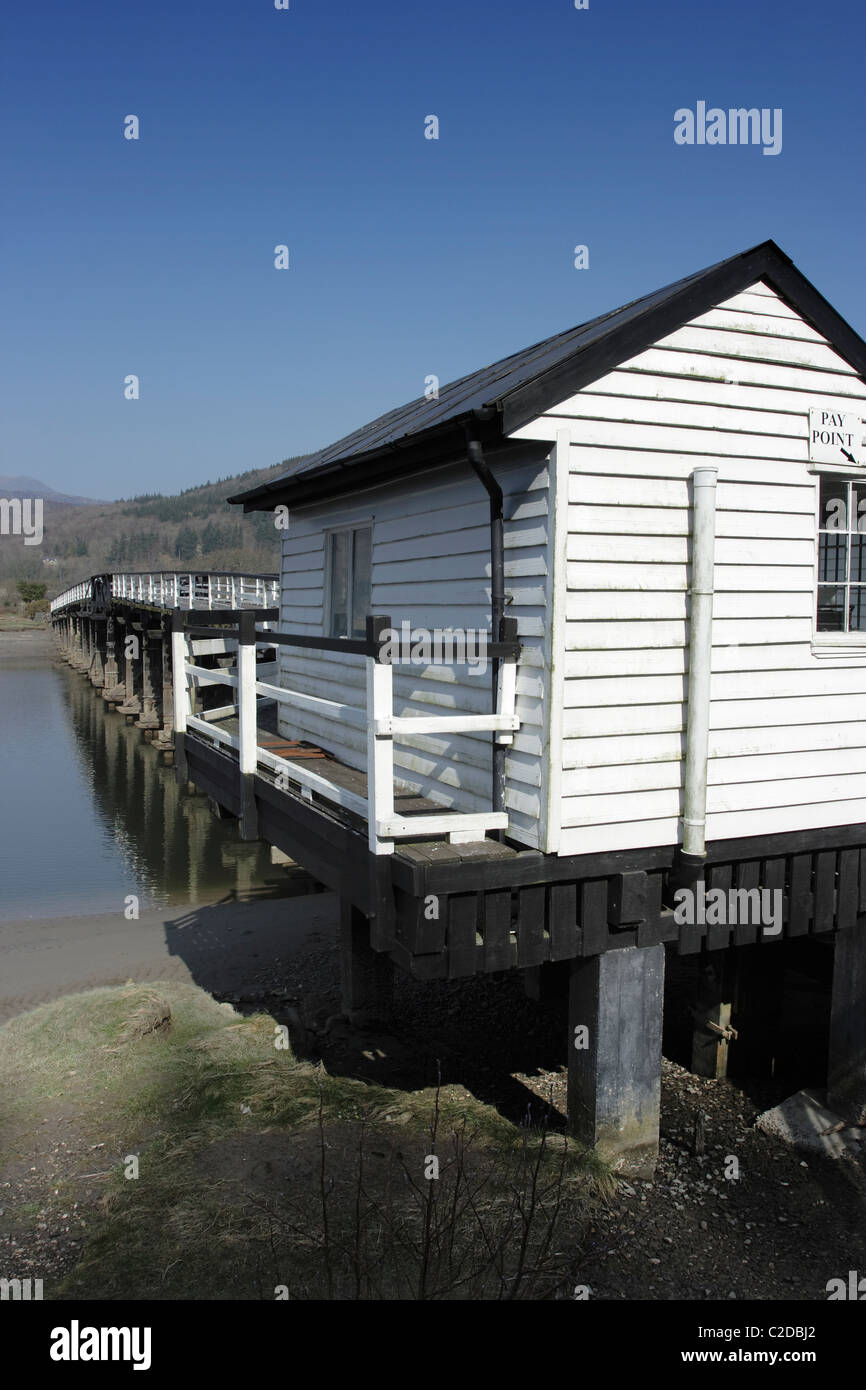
x=826 y=645
x=843 y=469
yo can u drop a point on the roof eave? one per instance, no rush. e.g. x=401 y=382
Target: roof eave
x=441 y=445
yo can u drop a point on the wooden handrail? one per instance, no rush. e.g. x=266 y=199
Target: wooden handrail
x=384 y=826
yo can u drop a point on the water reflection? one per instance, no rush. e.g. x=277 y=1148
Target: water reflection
x=91 y=813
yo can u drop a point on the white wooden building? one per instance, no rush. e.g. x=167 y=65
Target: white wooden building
x=594 y=437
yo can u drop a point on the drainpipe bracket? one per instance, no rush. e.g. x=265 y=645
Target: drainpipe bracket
x=685 y=872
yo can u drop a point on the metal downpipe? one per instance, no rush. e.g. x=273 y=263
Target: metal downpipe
x=497 y=595
x=689 y=859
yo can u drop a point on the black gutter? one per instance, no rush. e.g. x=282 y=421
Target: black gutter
x=441 y=442
x=478 y=464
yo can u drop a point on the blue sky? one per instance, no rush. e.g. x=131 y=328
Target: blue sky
x=408 y=256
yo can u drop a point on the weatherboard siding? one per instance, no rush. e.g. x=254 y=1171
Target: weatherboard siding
x=788 y=728
x=430 y=565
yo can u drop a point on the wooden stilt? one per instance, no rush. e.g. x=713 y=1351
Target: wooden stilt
x=616 y=1002
x=757 y=1013
x=366 y=976
x=712 y=1015
x=846 y=1070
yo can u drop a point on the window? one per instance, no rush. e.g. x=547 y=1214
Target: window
x=842 y=555
x=349 y=555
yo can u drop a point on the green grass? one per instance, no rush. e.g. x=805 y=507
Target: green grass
x=258 y=1171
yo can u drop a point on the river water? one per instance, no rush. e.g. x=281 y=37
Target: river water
x=89 y=811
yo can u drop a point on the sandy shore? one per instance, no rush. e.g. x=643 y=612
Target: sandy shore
x=224 y=947
x=34 y=641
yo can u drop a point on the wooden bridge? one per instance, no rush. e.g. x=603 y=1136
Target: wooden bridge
x=193 y=660
x=116 y=629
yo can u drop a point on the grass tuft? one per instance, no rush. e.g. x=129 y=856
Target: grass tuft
x=262 y=1176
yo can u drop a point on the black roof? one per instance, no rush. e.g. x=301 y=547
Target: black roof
x=500 y=398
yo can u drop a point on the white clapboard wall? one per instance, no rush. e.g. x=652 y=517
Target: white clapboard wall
x=788 y=726
x=431 y=565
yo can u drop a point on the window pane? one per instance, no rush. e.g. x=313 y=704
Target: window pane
x=857 y=609
x=833 y=514
x=858 y=559
x=832 y=557
x=858 y=508
x=361 y=580
x=339 y=614
x=831 y=609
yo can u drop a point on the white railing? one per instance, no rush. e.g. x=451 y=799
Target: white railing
x=382 y=726
x=77 y=594
x=182 y=589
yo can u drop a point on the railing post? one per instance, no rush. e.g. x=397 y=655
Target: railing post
x=179 y=695
x=248 y=751
x=380 y=748
x=506 y=685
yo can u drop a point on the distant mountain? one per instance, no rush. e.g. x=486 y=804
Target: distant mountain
x=190 y=530
x=32 y=487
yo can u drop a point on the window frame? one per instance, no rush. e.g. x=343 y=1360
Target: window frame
x=330 y=533
x=833 y=642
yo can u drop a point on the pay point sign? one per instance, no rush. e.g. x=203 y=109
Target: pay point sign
x=835 y=436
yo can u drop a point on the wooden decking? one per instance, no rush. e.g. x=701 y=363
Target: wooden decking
x=308 y=755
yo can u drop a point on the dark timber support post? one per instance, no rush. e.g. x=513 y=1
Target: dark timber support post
x=846 y=1070
x=759 y=997
x=132 y=649
x=83 y=651
x=615 y=1054
x=78 y=658
x=712 y=1015
x=75 y=657
x=366 y=976
x=148 y=719
x=547 y=982
x=111 y=675
x=97 y=664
